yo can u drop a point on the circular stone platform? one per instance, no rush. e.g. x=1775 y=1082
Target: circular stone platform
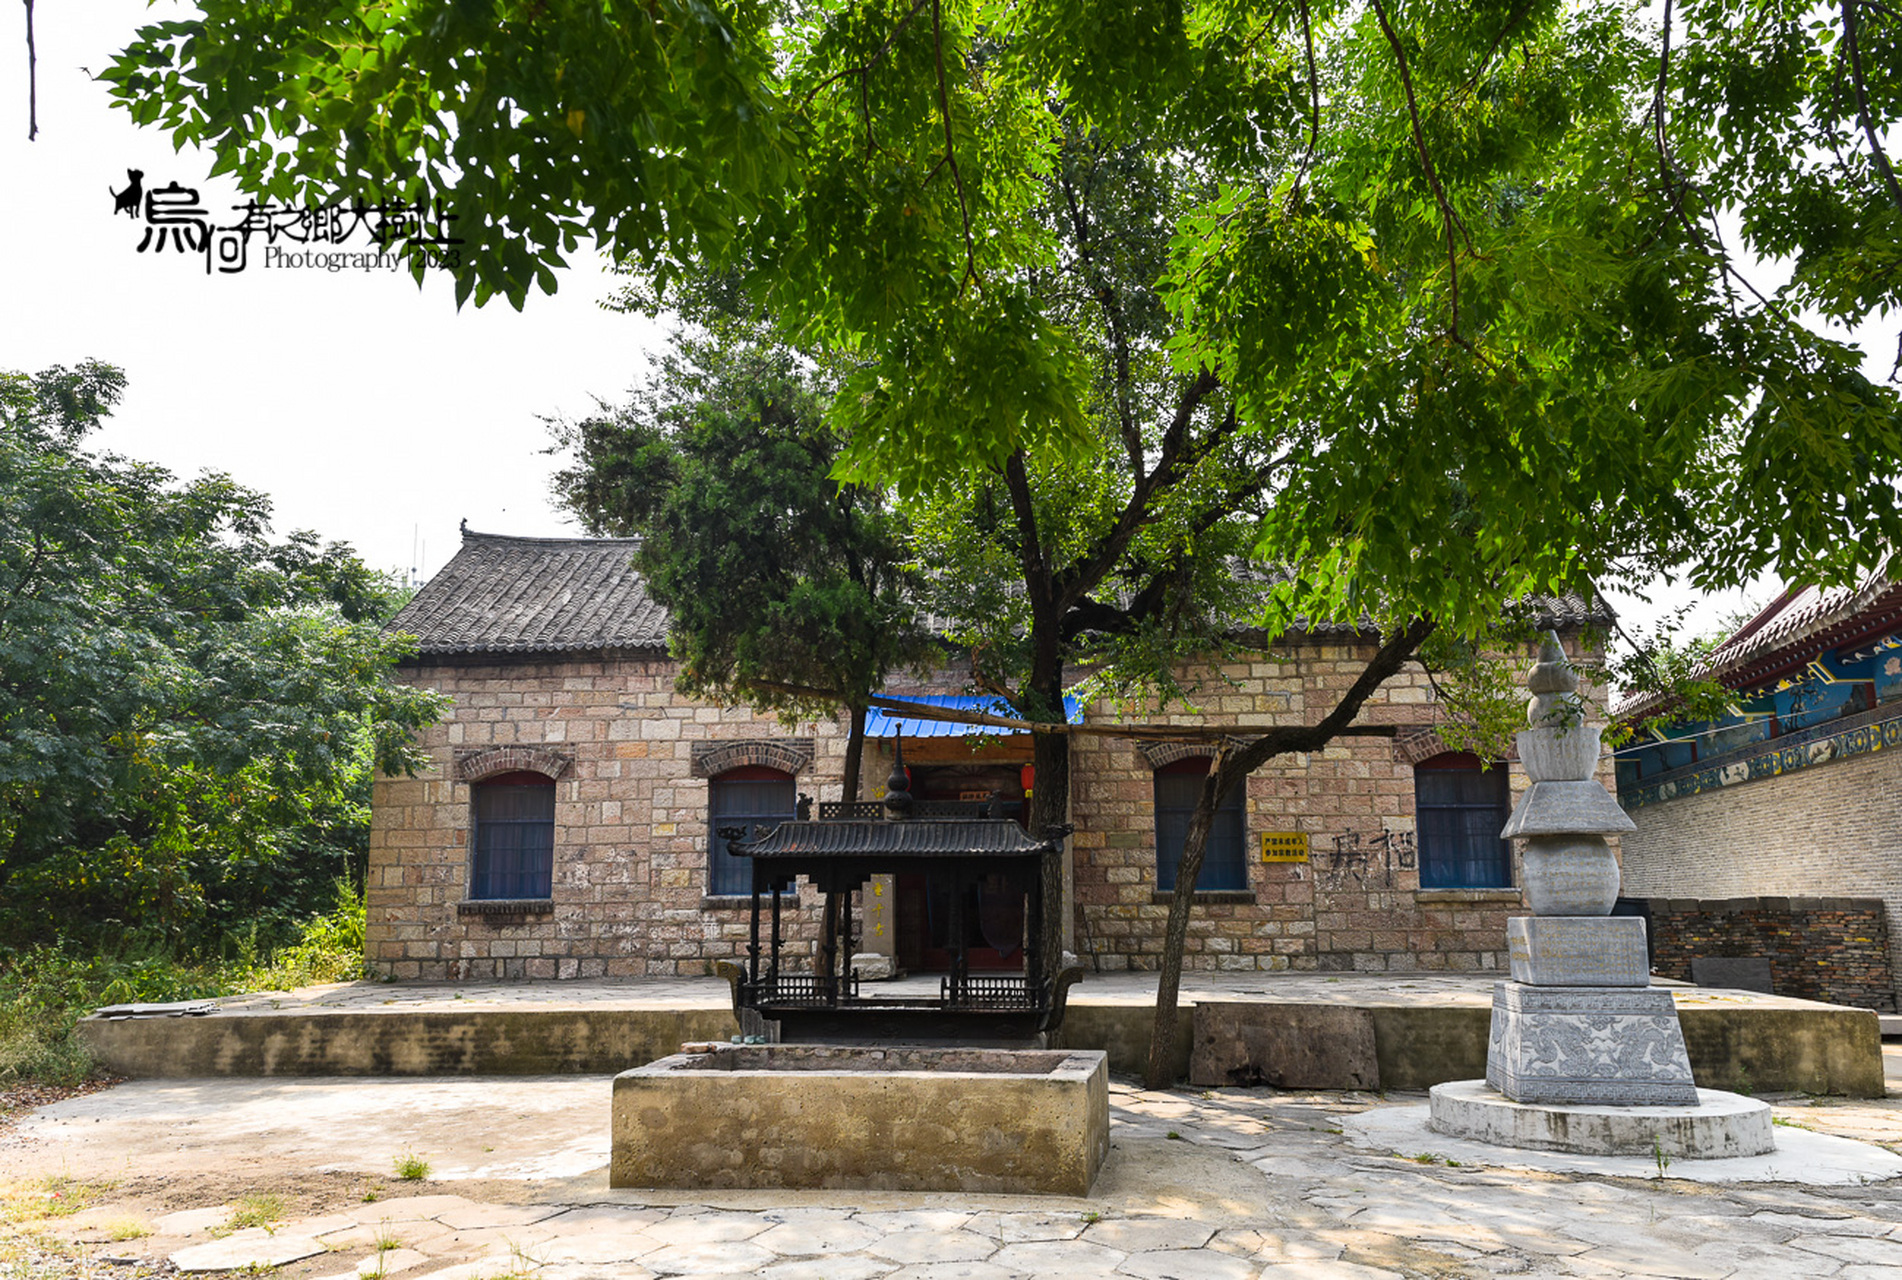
x=1721 y=1125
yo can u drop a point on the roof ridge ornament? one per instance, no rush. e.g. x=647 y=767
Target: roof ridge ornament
x=898 y=786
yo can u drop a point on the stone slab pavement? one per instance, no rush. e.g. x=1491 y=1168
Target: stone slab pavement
x=160 y=1177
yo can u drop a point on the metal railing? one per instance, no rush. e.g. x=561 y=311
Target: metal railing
x=805 y=989
x=988 y=992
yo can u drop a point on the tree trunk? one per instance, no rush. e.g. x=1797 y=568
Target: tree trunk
x=1160 y=1072
x=854 y=754
x=1050 y=807
x=1227 y=770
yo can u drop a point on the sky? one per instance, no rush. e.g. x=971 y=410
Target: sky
x=369 y=410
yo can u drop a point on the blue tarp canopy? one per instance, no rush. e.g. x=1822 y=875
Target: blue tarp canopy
x=881 y=723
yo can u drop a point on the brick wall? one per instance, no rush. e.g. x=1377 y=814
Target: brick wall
x=1834 y=949
x=1355 y=906
x=1832 y=829
x=630 y=759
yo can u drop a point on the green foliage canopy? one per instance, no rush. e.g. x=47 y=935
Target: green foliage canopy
x=1460 y=263
x=1118 y=552
x=784 y=586
x=188 y=709
x=644 y=126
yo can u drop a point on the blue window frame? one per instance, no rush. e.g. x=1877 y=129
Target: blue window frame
x=748 y=797
x=513 y=840
x=1225 y=861
x=1459 y=810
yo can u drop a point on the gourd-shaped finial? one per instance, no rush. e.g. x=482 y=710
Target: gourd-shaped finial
x=1554 y=685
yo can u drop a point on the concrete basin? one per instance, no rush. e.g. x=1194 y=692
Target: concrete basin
x=897 y=1118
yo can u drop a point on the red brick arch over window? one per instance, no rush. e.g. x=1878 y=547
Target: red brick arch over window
x=485 y=763
x=787 y=755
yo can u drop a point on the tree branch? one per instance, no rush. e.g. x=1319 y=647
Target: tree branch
x=1089 y=569
x=1314 y=109
x=32 y=79
x=1472 y=81
x=957 y=175
x=1107 y=298
x=1232 y=763
x=861 y=70
x=1388 y=659
x=1030 y=548
x=1447 y=218
x=1674 y=181
x=1147 y=732
x=1876 y=152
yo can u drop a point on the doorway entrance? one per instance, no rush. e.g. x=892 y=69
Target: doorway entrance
x=992 y=913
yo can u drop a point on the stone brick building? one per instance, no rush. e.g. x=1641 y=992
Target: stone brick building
x=565 y=828
x=1777 y=831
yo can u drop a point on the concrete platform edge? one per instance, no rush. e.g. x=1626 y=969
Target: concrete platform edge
x=1741 y=1048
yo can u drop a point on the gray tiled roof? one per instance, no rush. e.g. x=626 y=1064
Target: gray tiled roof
x=1796 y=616
x=535 y=595
x=1792 y=628
x=912 y=838
x=565 y=595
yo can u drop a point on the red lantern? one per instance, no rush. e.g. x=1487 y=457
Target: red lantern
x=1028 y=777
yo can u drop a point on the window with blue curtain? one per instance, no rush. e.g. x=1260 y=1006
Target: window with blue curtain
x=749 y=797
x=1225 y=861
x=1459 y=810
x=513 y=838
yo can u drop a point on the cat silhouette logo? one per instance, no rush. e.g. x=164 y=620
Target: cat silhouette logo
x=127 y=201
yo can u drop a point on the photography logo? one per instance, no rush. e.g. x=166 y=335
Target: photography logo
x=389 y=235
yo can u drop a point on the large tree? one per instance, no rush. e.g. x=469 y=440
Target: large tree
x=1456 y=271
x=189 y=710
x=1463 y=262
x=784 y=587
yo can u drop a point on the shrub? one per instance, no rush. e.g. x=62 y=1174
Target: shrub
x=46 y=990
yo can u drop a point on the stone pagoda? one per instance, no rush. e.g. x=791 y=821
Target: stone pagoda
x=1585 y=1054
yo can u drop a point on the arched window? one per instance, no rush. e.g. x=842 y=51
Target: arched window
x=1225 y=862
x=744 y=797
x=513 y=838
x=1459 y=810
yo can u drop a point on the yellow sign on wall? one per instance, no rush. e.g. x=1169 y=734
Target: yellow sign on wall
x=1284 y=846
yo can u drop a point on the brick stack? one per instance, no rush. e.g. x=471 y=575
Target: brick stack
x=1833 y=949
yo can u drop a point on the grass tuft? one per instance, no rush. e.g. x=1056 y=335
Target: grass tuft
x=255 y=1209
x=44 y=1198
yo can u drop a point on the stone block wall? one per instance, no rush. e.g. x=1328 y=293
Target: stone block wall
x=630 y=759
x=1833 y=829
x=1833 y=949
x=1356 y=905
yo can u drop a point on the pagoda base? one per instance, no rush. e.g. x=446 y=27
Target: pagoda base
x=1717 y=1126
x=1620 y=1046
x=1578 y=951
